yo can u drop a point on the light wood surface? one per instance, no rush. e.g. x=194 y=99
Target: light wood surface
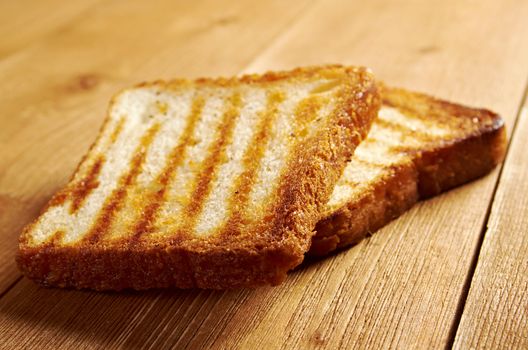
x=25 y=21
x=405 y=287
x=496 y=310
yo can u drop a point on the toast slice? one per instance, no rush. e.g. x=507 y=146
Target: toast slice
x=213 y=183
x=418 y=147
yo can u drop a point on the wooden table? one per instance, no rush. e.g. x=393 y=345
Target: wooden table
x=451 y=272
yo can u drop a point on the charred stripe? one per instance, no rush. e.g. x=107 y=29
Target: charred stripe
x=115 y=201
x=176 y=157
x=209 y=167
x=251 y=161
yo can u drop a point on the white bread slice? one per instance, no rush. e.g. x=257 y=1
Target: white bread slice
x=213 y=183
x=418 y=147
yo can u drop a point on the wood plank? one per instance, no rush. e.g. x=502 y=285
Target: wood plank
x=496 y=310
x=371 y=295
x=399 y=288
x=435 y=47
x=23 y=22
x=49 y=123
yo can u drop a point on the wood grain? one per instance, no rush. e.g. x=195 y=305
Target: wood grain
x=24 y=22
x=399 y=289
x=435 y=47
x=496 y=311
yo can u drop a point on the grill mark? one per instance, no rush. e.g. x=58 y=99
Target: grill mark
x=57 y=237
x=117 y=131
x=390 y=149
x=85 y=186
x=77 y=192
x=115 y=201
x=176 y=157
x=54 y=239
x=429 y=116
x=59 y=198
x=304 y=113
x=408 y=133
x=69 y=192
x=405 y=130
x=377 y=165
x=302 y=110
x=367 y=163
x=326 y=86
x=207 y=174
x=251 y=161
x=373 y=141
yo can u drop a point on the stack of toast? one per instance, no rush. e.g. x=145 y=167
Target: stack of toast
x=227 y=183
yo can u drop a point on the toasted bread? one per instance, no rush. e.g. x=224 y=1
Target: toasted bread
x=418 y=147
x=212 y=183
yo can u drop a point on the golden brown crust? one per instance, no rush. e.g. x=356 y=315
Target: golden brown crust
x=386 y=199
x=230 y=260
x=435 y=168
x=448 y=164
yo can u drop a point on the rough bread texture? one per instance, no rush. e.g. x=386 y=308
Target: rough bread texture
x=212 y=183
x=417 y=148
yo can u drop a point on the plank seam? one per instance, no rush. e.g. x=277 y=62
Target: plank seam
x=11 y=286
x=459 y=311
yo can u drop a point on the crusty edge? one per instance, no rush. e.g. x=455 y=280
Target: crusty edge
x=228 y=263
x=443 y=168
x=390 y=197
x=434 y=171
